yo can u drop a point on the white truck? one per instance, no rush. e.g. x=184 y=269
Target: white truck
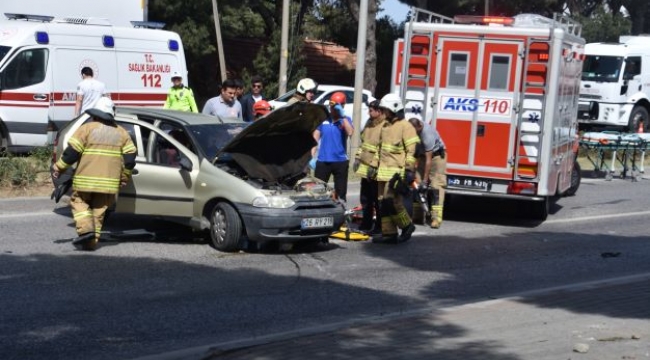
x=615 y=88
x=41 y=58
x=503 y=94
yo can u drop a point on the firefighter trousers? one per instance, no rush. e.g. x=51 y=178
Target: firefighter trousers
x=370 y=204
x=393 y=212
x=438 y=183
x=89 y=209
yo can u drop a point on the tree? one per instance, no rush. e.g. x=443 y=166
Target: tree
x=604 y=26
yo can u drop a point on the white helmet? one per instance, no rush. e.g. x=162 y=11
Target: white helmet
x=305 y=85
x=104 y=109
x=391 y=102
x=176 y=74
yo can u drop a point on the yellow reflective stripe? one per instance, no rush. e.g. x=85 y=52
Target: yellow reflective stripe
x=369 y=147
x=127 y=172
x=84 y=187
x=410 y=159
x=83 y=214
x=76 y=144
x=62 y=165
x=402 y=219
x=411 y=141
x=103 y=152
x=129 y=149
x=390 y=147
x=96 y=178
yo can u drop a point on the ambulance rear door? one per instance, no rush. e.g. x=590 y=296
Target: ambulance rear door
x=476 y=89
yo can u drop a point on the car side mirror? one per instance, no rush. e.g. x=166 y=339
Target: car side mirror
x=628 y=76
x=185 y=163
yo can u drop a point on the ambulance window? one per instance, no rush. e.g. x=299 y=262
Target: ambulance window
x=25 y=69
x=499 y=72
x=458 y=70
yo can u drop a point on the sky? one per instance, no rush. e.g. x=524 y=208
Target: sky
x=395 y=9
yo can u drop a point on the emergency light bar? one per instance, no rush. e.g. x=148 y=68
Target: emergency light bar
x=148 y=24
x=42 y=18
x=486 y=20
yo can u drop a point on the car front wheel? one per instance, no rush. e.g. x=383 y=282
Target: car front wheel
x=225 y=227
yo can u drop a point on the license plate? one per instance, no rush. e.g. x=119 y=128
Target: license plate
x=467 y=183
x=319 y=222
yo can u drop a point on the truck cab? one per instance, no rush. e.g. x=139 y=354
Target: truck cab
x=615 y=86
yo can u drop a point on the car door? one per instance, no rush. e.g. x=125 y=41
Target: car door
x=160 y=185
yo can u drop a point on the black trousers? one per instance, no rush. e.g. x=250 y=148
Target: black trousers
x=369 y=204
x=339 y=170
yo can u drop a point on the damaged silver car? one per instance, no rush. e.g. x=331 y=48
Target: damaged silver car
x=237 y=181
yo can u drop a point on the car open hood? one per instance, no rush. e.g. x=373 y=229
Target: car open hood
x=279 y=145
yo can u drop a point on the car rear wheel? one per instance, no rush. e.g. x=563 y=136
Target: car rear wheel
x=225 y=227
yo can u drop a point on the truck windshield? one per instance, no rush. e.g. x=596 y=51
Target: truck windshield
x=602 y=68
x=4 y=50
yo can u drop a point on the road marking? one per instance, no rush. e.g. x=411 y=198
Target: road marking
x=22 y=215
x=598 y=217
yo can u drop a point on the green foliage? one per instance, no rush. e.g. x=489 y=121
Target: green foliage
x=603 y=26
x=17 y=171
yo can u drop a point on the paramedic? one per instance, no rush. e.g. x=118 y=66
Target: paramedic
x=180 y=97
x=396 y=171
x=432 y=165
x=106 y=156
x=332 y=159
x=365 y=165
x=89 y=90
x=305 y=91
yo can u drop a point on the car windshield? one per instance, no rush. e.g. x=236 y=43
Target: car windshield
x=602 y=68
x=4 y=50
x=213 y=137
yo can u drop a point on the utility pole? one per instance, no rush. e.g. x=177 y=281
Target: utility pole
x=284 y=48
x=487 y=7
x=359 y=72
x=217 y=28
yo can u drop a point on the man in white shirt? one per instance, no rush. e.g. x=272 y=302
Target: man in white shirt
x=89 y=91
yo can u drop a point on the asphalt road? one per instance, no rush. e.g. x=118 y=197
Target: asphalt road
x=142 y=295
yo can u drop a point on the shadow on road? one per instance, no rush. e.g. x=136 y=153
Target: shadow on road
x=89 y=306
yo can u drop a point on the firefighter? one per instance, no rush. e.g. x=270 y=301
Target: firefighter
x=365 y=165
x=261 y=108
x=396 y=171
x=305 y=91
x=105 y=155
x=432 y=163
x=180 y=97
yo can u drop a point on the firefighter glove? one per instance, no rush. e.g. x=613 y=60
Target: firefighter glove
x=409 y=177
x=355 y=165
x=340 y=110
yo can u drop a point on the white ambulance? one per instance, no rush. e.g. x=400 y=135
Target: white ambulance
x=503 y=94
x=40 y=66
x=615 y=89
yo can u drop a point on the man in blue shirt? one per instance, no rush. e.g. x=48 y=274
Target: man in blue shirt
x=333 y=135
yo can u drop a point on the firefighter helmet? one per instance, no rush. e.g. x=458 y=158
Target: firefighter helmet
x=305 y=85
x=262 y=107
x=104 y=109
x=337 y=98
x=392 y=102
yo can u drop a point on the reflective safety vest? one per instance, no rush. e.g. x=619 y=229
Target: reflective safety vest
x=182 y=99
x=368 y=152
x=101 y=165
x=397 y=152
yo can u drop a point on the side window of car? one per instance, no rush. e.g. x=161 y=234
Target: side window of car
x=178 y=133
x=27 y=68
x=165 y=153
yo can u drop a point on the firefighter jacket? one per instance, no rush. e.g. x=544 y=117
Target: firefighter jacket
x=397 y=152
x=368 y=152
x=106 y=157
x=181 y=98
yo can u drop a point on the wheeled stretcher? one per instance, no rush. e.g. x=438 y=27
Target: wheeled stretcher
x=626 y=150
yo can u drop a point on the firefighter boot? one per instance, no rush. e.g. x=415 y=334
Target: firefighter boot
x=87 y=241
x=436 y=216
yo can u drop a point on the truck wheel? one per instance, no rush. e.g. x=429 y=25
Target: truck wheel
x=540 y=209
x=639 y=114
x=225 y=227
x=575 y=180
